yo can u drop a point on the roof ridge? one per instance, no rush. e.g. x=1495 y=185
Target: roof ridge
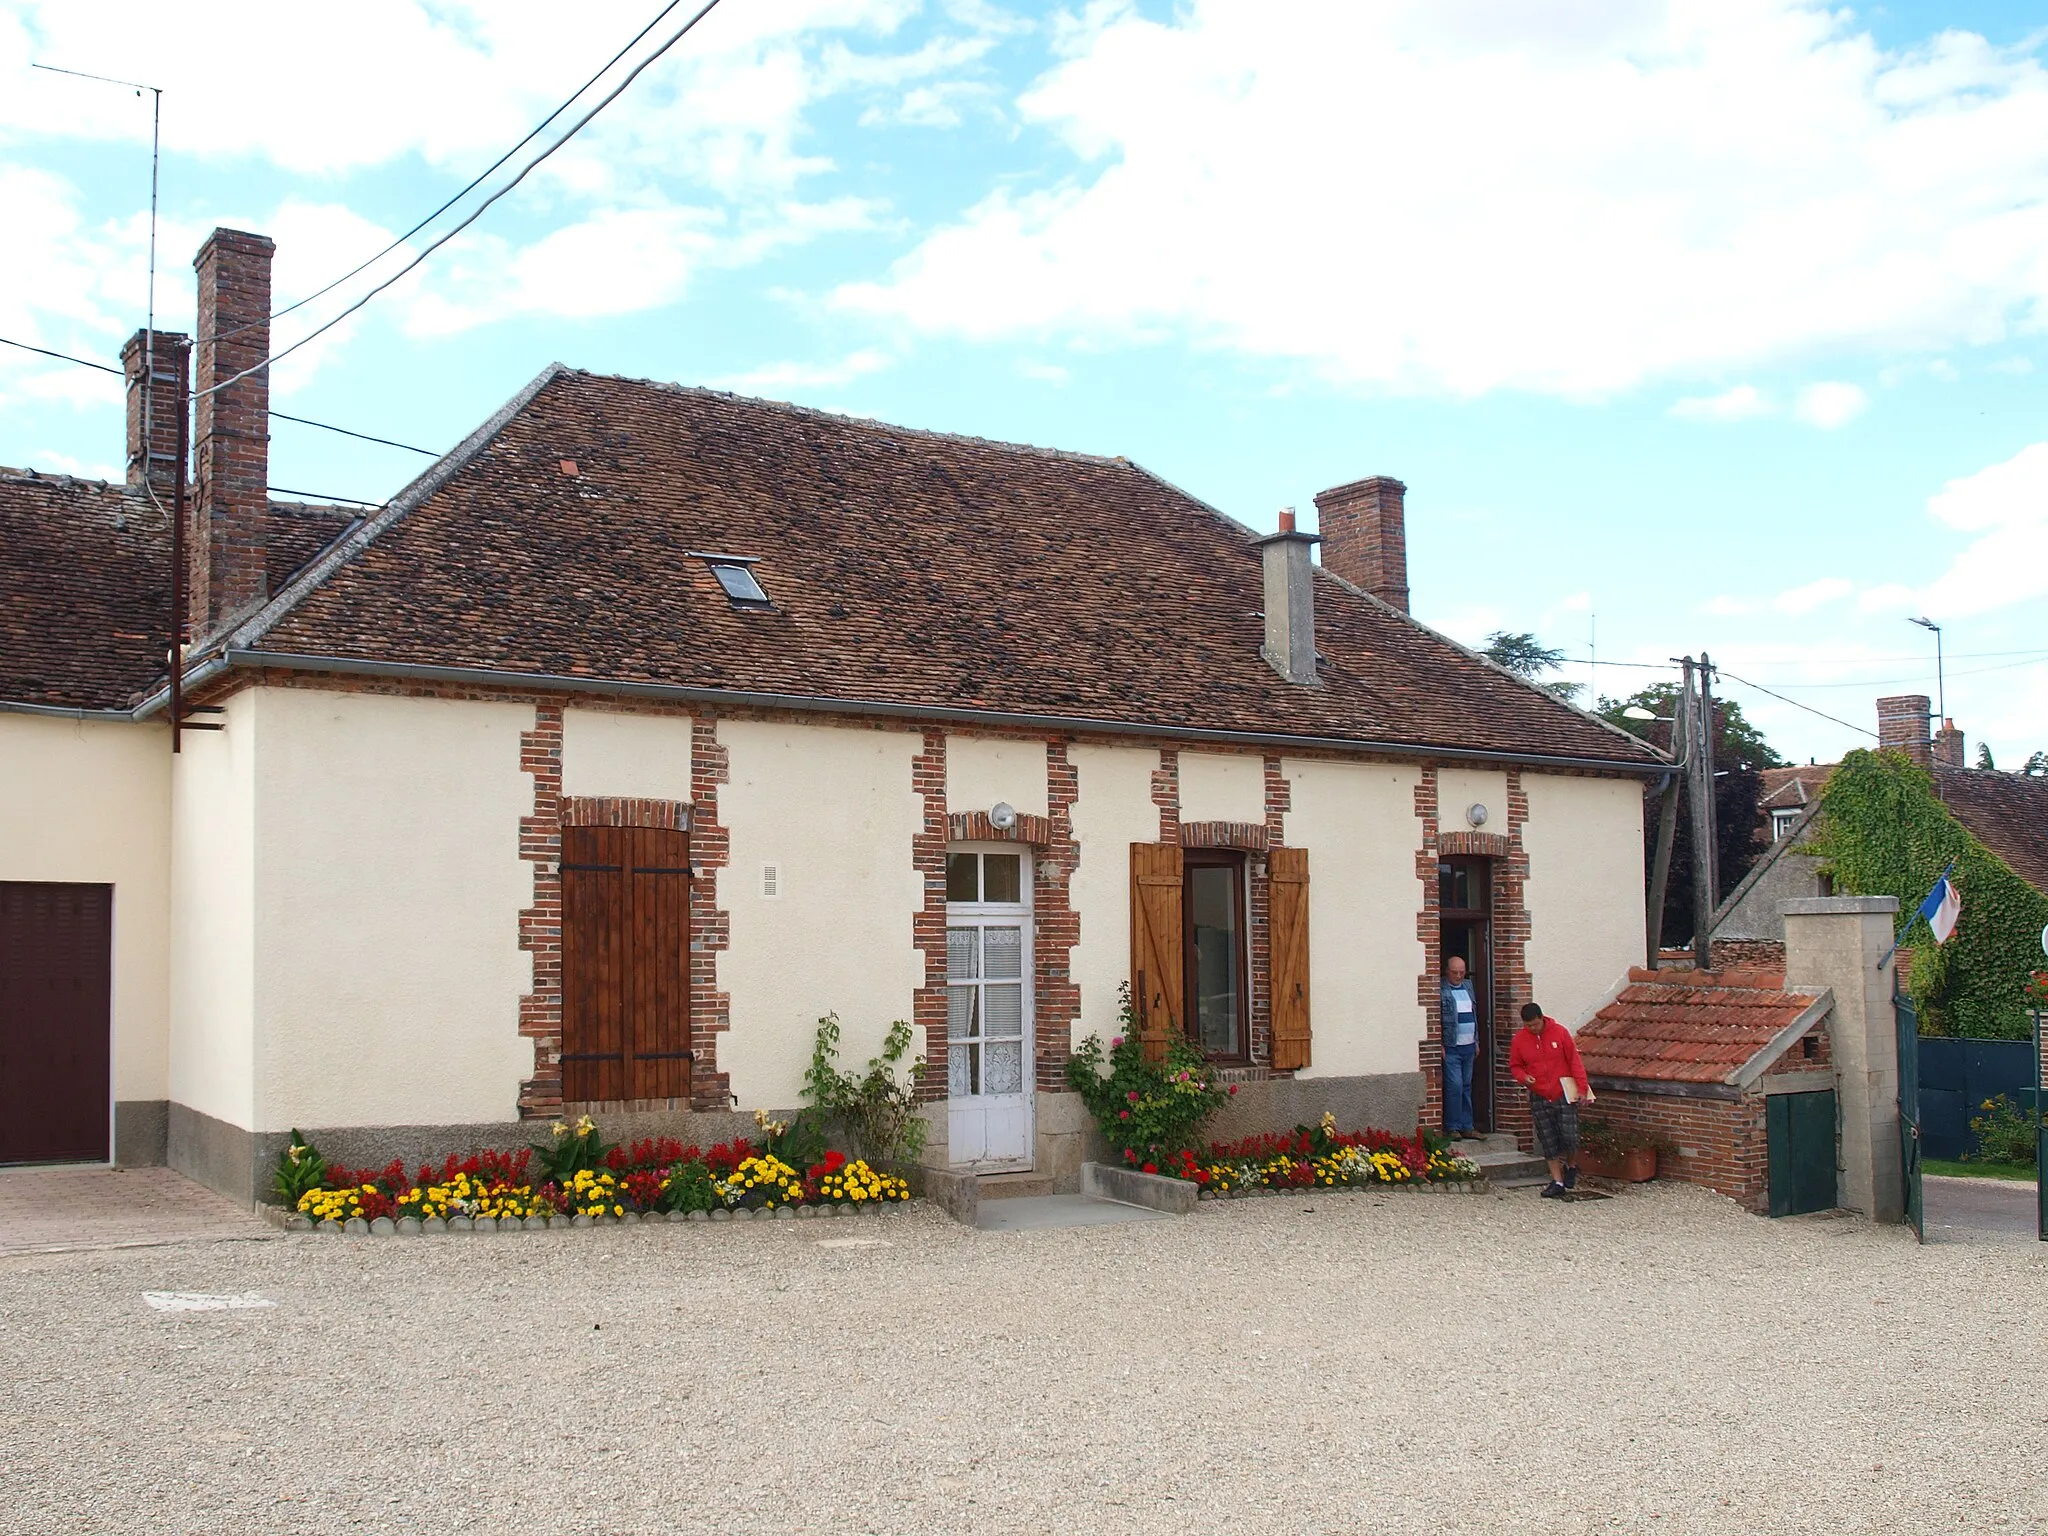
x=870 y=423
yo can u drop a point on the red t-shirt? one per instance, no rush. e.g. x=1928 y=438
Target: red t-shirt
x=1540 y=1060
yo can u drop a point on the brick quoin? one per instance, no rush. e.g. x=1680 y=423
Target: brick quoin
x=1512 y=984
x=540 y=925
x=928 y=926
x=231 y=429
x=1429 y=1053
x=710 y=925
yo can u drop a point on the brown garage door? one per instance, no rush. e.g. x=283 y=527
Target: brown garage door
x=625 y=964
x=56 y=1035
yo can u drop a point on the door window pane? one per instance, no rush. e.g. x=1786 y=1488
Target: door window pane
x=1002 y=1064
x=960 y=1069
x=1217 y=966
x=1002 y=1010
x=1002 y=953
x=960 y=1011
x=962 y=946
x=961 y=872
x=1000 y=874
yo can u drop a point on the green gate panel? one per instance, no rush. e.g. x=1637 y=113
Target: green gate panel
x=1800 y=1137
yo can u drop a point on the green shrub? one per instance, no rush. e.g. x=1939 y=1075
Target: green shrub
x=2005 y=1134
x=300 y=1168
x=1147 y=1110
x=570 y=1150
x=876 y=1112
x=689 y=1188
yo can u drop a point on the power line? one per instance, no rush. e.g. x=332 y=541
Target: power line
x=576 y=128
x=480 y=178
x=1921 y=677
x=304 y=421
x=353 y=501
x=1760 y=688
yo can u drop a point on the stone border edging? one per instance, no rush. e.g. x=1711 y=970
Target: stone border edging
x=1147 y=1191
x=1435 y=1186
x=414 y=1226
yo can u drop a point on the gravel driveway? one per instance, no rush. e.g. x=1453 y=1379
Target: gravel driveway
x=1657 y=1362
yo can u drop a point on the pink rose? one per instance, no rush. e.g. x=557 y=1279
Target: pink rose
x=1231 y=1090
x=1117 y=1041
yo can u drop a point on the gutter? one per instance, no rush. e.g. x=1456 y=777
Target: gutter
x=816 y=703
x=67 y=712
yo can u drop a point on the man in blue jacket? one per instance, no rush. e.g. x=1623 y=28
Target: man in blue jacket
x=1460 y=1015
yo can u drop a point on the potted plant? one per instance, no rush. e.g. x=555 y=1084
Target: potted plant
x=1609 y=1151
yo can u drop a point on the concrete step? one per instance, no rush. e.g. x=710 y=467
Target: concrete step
x=1510 y=1169
x=1013 y=1186
x=1499 y=1142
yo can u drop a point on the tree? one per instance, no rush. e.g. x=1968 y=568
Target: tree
x=1984 y=757
x=2033 y=768
x=1740 y=754
x=1527 y=657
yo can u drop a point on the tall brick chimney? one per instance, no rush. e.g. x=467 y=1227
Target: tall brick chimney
x=231 y=429
x=1364 y=537
x=1948 y=746
x=1902 y=722
x=153 y=443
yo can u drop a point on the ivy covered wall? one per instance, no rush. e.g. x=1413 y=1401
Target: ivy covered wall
x=1884 y=832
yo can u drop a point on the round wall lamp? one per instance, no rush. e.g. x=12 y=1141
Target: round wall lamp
x=1476 y=814
x=1003 y=816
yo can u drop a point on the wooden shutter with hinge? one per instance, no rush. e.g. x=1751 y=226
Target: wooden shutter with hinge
x=625 y=964
x=1156 y=952
x=1287 y=904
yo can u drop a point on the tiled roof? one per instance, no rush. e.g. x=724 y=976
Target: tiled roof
x=906 y=568
x=85 y=586
x=1688 y=1026
x=1788 y=788
x=2007 y=813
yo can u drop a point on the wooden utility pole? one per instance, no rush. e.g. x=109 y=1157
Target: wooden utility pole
x=1667 y=819
x=1701 y=779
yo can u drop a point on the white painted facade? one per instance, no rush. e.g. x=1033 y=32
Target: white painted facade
x=982 y=771
x=1459 y=789
x=89 y=802
x=1584 y=838
x=1222 y=786
x=1112 y=810
x=633 y=756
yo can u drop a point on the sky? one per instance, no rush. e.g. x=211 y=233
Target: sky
x=1691 y=325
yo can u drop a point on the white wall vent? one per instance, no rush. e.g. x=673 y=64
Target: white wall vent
x=771 y=880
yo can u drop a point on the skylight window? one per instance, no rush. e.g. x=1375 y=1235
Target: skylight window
x=735 y=575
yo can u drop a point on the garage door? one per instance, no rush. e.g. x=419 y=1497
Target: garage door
x=56 y=1036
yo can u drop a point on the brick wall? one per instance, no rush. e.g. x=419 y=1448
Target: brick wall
x=1429 y=1054
x=155 y=405
x=1722 y=1142
x=1902 y=726
x=231 y=429
x=1365 y=540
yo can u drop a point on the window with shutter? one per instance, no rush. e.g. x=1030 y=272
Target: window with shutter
x=1156 y=955
x=625 y=964
x=1287 y=906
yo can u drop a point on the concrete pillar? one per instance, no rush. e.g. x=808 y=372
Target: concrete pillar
x=1834 y=942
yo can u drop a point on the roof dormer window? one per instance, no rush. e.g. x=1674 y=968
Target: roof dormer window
x=736 y=577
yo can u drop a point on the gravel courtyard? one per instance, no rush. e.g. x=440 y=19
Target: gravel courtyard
x=1657 y=1362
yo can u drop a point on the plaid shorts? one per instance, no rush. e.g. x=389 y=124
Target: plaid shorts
x=1557 y=1126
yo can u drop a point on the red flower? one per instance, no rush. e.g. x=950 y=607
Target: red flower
x=1231 y=1090
x=1123 y=1114
x=1132 y=1095
x=1149 y=1168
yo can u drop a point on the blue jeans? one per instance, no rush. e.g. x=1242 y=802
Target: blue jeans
x=1458 y=1061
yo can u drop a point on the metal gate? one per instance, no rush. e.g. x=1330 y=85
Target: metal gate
x=1909 y=1111
x=2040 y=1132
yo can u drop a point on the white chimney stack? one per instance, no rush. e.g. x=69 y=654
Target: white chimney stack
x=1290 y=647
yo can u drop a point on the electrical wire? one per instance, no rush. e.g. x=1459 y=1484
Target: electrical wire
x=1760 y=688
x=483 y=207
x=304 y=421
x=477 y=181
x=315 y=496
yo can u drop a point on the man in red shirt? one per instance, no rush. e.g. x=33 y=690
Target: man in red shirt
x=1545 y=1060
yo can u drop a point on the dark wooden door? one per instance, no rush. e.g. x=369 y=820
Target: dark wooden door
x=1465 y=906
x=1799 y=1133
x=625 y=964
x=56 y=1020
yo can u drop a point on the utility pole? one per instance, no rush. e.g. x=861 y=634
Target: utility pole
x=1702 y=777
x=1667 y=818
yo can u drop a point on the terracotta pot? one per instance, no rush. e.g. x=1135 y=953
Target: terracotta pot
x=1639 y=1164
x=1600 y=1167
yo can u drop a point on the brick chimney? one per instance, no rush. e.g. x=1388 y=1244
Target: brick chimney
x=1948 y=746
x=1364 y=538
x=231 y=429
x=153 y=443
x=1290 y=647
x=1902 y=727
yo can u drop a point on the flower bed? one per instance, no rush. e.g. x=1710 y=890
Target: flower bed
x=577 y=1177
x=1317 y=1157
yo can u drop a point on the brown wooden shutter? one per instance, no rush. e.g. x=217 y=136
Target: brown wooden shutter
x=1287 y=904
x=625 y=964
x=1156 y=950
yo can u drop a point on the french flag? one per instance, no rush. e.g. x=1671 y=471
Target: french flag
x=1943 y=907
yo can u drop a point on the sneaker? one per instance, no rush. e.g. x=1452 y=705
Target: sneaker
x=1571 y=1175
x=1553 y=1191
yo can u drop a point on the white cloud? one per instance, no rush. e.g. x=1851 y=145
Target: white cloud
x=1457 y=196
x=1727 y=606
x=1044 y=373
x=2006 y=507
x=1889 y=598
x=855 y=365
x=1803 y=600
x=1742 y=403
x=2015 y=365
x=1828 y=406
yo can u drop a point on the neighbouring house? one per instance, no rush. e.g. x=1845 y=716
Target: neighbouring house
x=2006 y=812
x=651 y=724
x=1783 y=794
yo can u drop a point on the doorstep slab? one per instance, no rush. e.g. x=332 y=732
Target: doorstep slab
x=54 y=1209
x=1042 y=1213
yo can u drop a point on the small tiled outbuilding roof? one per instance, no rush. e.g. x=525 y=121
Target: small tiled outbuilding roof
x=85 y=591
x=905 y=568
x=2006 y=812
x=1784 y=789
x=1687 y=1026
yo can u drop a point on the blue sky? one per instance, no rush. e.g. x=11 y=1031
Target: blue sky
x=1716 y=324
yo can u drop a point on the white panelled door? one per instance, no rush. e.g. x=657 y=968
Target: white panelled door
x=988 y=1009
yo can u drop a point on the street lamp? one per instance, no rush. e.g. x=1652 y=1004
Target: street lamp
x=1940 y=685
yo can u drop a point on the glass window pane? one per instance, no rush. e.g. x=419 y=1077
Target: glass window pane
x=960 y=1070
x=963 y=945
x=960 y=1012
x=1002 y=1011
x=1003 y=1067
x=1002 y=952
x=999 y=877
x=961 y=870
x=1212 y=906
x=739 y=583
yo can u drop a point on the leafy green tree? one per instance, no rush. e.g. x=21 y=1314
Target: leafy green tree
x=1526 y=656
x=1740 y=753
